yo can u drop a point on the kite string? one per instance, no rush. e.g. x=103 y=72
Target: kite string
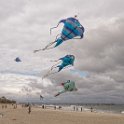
x=46 y=75
x=53 y=28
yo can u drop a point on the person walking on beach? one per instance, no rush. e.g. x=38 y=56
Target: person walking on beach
x=91 y=109
x=81 y=109
x=54 y=107
x=74 y=108
x=29 y=109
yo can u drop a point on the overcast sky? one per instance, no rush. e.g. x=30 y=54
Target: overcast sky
x=99 y=65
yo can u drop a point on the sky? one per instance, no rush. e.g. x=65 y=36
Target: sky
x=99 y=64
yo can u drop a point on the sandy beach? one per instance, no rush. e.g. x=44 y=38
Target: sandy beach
x=50 y=116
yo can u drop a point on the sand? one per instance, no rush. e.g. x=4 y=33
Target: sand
x=50 y=116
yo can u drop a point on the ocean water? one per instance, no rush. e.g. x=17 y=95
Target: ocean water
x=109 y=108
x=100 y=108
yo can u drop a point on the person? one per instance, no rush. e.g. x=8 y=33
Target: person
x=81 y=109
x=29 y=109
x=60 y=107
x=91 y=109
x=74 y=108
x=43 y=106
x=55 y=107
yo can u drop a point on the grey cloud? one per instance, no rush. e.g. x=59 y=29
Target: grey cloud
x=8 y=8
x=99 y=53
x=103 y=52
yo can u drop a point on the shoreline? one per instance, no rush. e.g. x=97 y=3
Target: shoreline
x=38 y=115
x=79 y=109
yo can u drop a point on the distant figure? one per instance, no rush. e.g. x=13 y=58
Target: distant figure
x=74 y=108
x=29 y=109
x=60 y=107
x=55 y=107
x=91 y=109
x=43 y=106
x=81 y=109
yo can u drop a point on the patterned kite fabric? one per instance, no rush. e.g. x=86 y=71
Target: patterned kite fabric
x=72 y=28
x=70 y=86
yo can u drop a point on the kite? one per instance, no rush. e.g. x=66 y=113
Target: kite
x=68 y=86
x=41 y=97
x=18 y=59
x=66 y=61
x=72 y=29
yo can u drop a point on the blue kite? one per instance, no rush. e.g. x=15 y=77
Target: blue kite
x=66 y=61
x=17 y=59
x=72 y=29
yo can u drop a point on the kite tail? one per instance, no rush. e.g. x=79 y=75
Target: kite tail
x=60 y=92
x=56 y=95
x=58 y=42
x=48 y=74
x=53 y=28
x=35 y=51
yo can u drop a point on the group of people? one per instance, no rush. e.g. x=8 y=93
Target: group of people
x=72 y=29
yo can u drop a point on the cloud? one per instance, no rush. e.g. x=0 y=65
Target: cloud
x=24 y=26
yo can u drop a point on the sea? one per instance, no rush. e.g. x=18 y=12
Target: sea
x=98 y=108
